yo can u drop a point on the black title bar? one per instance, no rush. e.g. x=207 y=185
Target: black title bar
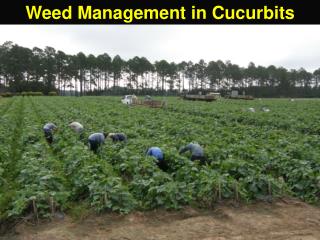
x=158 y=12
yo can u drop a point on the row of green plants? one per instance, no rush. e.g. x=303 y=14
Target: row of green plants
x=246 y=161
x=90 y=178
x=104 y=117
x=238 y=149
x=10 y=94
x=283 y=114
x=11 y=148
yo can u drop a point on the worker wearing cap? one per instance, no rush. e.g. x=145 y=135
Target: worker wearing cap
x=196 y=150
x=117 y=137
x=77 y=128
x=159 y=156
x=95 y=140
x=48 y=130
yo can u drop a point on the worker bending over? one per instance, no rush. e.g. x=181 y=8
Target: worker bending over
x=48 y=130
x=77 y=128
x=95 y=140
x=159 y=156
x=117 y=137
x=196 y=150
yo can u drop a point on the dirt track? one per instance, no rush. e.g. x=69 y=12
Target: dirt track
x=288 y=219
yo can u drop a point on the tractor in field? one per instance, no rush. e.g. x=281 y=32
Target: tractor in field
x=128 y=99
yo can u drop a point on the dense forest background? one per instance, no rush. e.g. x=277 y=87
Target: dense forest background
x=45 y=70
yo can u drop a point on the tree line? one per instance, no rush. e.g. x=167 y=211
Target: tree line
x=48 y=69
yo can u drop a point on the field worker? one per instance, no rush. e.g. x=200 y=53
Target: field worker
x=117 y=137
x=251 y=109
x=95 y=140
x=77 y=127
x=265 y=109
x=159 y=156
x=48 y=129
x=196 y=150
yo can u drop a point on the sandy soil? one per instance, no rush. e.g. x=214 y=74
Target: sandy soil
x=284 y=219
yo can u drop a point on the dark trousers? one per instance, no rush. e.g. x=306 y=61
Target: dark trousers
x=119 y=138
x=162 y=164
x=82 y=136
x=94 y=146
x=49 y=136
x=202 y=159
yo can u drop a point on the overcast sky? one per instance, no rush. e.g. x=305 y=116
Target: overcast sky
x=290 y=46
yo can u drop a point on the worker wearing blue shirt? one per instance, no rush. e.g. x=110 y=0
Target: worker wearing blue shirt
x=196 y=150
x=159 y=156
x=95 y=140
x=48 y=130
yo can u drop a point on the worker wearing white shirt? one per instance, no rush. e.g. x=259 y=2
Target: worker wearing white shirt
x=76 y=126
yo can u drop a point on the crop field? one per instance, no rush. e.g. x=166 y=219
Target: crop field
x=252 y=155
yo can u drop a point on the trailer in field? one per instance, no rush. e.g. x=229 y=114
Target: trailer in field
x=199 y=97
x=235 y=95
x=148 y=101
